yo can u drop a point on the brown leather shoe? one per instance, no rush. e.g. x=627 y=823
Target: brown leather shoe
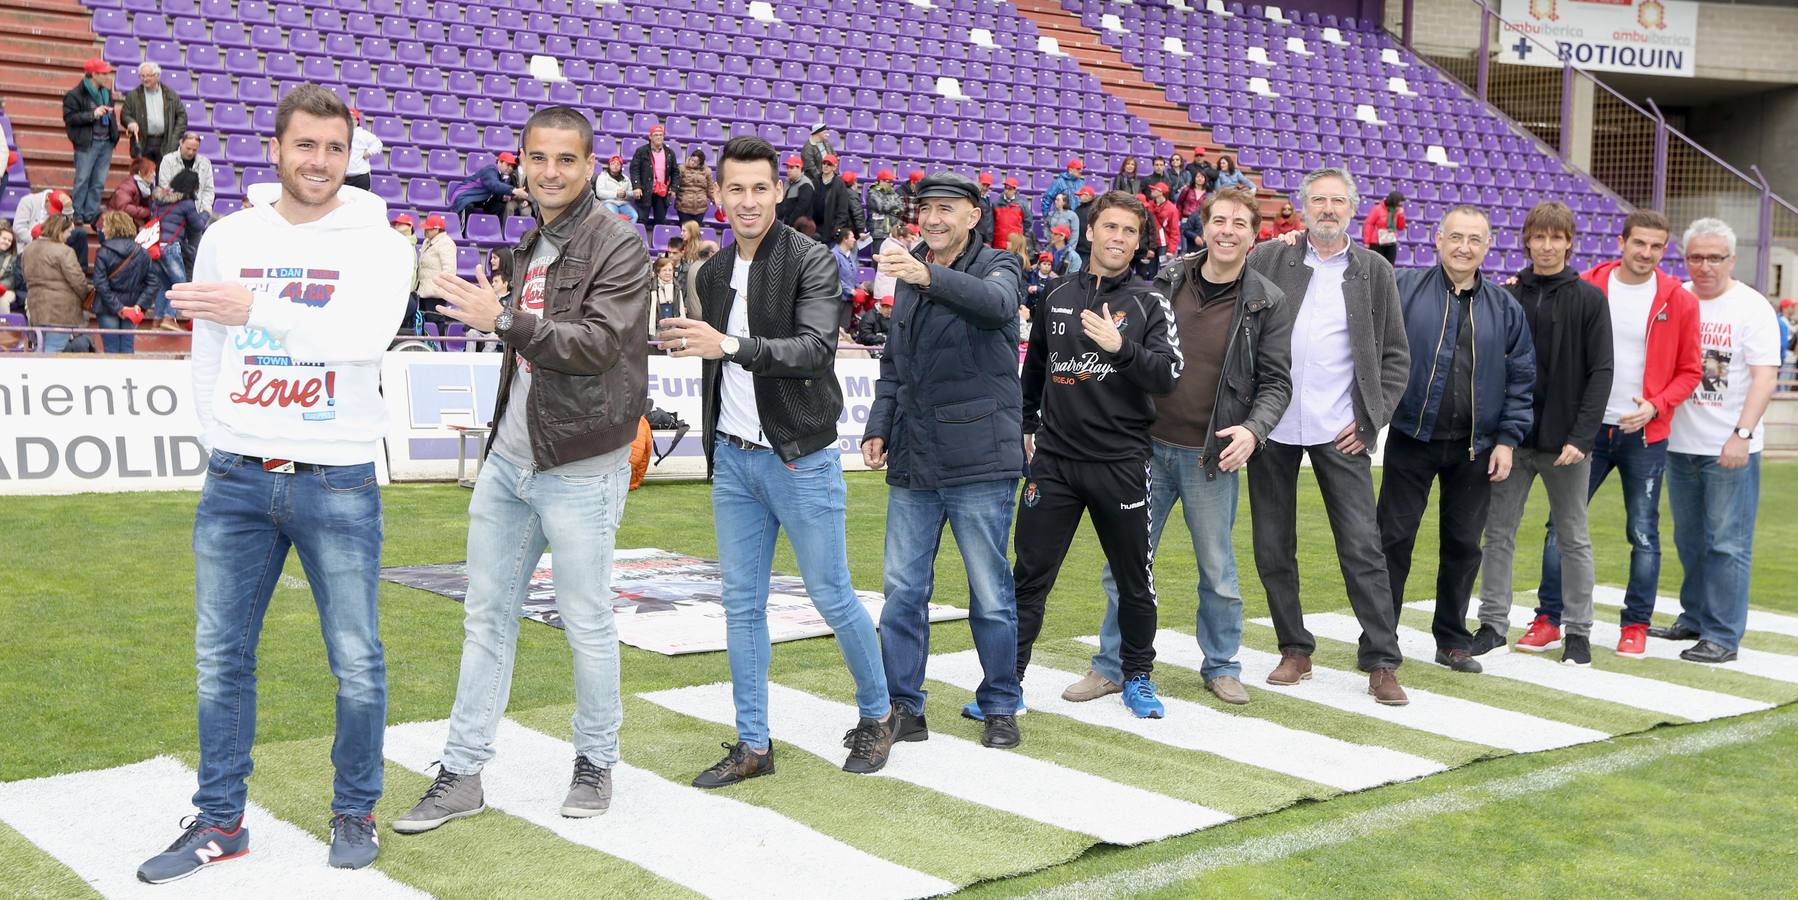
x=1382 y=683
x=737 y=765
x=870 y=741
x=1294 y=667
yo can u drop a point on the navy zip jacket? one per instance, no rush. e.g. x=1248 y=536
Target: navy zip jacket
x=1504 y=359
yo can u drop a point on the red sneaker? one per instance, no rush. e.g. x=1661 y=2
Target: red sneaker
x=1634 y=642
x=1543 y=635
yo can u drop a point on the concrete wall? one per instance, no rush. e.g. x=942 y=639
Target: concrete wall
x=1757 y=130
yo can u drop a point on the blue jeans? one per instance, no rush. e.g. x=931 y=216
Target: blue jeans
x=246 y=522
x=622 y=208
x=754 y=496
x=1640 y=465
x=514 y=515
x=54 y=341
x=980 y=515
x=1713 y=531
x=115 y=343
x=1209 y=508
x=174 y=271
x=92 y=162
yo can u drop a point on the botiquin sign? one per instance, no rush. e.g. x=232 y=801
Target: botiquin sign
x=1642 y=37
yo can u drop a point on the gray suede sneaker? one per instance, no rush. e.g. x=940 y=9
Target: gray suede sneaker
x=590 y=791
x=451 y=796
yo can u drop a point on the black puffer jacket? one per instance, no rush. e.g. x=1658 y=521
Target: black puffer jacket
x=794 y=304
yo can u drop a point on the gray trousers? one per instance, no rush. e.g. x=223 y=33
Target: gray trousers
x=1567 y=509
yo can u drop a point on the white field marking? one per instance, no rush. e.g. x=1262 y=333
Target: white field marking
x=1758 y=620
x=292 y=583
x=1546 y=670
x=103 y=824
x=1382 y=819
x=1775 y=666
x=706 y=841
x=1452 y=717
x=1194 y=726
x=1000 y=779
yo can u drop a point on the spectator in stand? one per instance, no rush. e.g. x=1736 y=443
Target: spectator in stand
x=1202 y=170
x=664 y=293
x=1066 y=260
x=1019 y=246
x=858 y=216
x=125 y=284
x=847 y=272
x=1083 y=235
x=1167 y=218
x=1192 y=228
x=871 y=329
x=488 y=189
x=816 y=148
x=796 y=199
x=804 y=225
x=1011 y=215
x=134 y=195
x=1787 y=308
x=409 y=320
x=1228 y=179
x=364 y=147
x=884 y=207
x=694 y=188
x=9 y=269
x=187 y=158
x=1157 y=172
x=1188 y=196
x=1062 y=216
x=436 y=256
x=35 y=209
x=1287 y=221
x=403 y=224
x=1384 y=223
x=57 y=283
x=1178 y=178
x=1038 y=280
x=153 y=115
x=908 y=198
x=652 y=171
x=90 y=117
x=983 y=230
x=1069 y=183
x=613 y=188
x=179 y=224
x=830 y=203
x=500 y=262
x=1126 y=179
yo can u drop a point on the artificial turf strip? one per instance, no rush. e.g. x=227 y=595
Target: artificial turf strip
x=30 y=872
x=490 y=854
x=915 y=827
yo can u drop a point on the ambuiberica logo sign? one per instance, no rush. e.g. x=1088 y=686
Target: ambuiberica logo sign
x=1643 y=37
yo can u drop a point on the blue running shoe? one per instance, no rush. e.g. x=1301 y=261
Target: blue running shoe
x=199 y=845
x=1139 y=696
x=353 y=841
x=972 y=711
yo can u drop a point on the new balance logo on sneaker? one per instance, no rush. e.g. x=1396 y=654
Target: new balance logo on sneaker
x=199 y=845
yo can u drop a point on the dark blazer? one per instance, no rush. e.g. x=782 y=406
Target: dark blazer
x=1375 y=320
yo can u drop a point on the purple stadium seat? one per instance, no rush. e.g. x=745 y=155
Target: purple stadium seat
x=445 y=164
x=425 y=193
x=483 y=228
x=406 y=160
x=387 y=187
x=516 y=226
x=244 y=149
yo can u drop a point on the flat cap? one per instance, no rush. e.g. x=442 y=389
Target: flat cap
x=949 y=184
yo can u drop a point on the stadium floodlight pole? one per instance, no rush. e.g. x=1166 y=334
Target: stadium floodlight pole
x=1659 y=198
x=1485 y=57
x=1405 y=34
x=1763 y=257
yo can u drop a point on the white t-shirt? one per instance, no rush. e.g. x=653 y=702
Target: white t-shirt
x=737 y=413
x=1630 y=306
x=1737 y=329
x=363 y=146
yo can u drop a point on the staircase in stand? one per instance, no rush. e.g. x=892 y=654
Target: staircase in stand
x=40 y=59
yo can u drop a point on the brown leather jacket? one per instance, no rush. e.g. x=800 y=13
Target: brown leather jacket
x=590 y=358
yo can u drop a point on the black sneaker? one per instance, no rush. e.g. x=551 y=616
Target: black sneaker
x=870 y=742
x=1458 y=660
x=738 y=764
x=1486 y=640
x=1001 y=733
x=1674 y=632
x=1707 y=652
x=1576 y=650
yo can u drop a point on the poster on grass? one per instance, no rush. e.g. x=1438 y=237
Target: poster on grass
x=665 y=602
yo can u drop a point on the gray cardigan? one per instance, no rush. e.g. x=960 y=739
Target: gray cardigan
x=1376 y=326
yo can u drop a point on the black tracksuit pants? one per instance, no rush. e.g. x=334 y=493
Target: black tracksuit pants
x=1411 y=466
x=1116 y=495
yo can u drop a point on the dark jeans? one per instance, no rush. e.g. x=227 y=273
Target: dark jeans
x=684 y=218
x=1411 y=466
x=651 y=210
x=1346 y=481
x=1390 y=251
x=1641 y=466
x=359 y=181
x=1116 y=495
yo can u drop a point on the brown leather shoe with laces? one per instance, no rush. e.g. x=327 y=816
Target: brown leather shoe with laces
x=1382 y=683
x=1294 y=667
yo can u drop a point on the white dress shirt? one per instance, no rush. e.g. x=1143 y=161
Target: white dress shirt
x=1323 y=362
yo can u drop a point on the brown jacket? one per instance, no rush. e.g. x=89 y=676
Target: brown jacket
x=695 y=187
x=588 y=352
x=57 y=284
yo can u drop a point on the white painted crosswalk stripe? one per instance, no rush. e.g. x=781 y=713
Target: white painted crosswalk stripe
x=138 y=808
x=1630 y=690
x=706 y=841
x=1194 y=726
x=1001 y=779
x=1758 y=620
x=1775 y=666
x=1451 y=717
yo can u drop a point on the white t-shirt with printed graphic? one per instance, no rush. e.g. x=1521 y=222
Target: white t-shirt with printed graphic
x=1736 y=330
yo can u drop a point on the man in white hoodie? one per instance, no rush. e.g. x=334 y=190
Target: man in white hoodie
x=293 y=301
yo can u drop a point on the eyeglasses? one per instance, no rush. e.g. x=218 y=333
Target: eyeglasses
x=1708 y=260
x=1475 y=241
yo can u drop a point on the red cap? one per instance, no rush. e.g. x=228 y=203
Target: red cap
x=986 y=178
x=887 y=300
x=509 y=159
x=849 y=177
x=1787 y=303
x=1159 y=186
x=56 y=203
x=794 y=160
x=884 y=175
x=1084 y=192
x=830 y=159
x=37 y=231
x=434 y=221
x=1011 y=182
x=656 y=129
x=1062 y=230
x=96 y=66
x=911 y=229
x=1075 y=163
x=615 y=159
x=356 y=114
x=915 y=177
x=1044 y=256
x=403 y=219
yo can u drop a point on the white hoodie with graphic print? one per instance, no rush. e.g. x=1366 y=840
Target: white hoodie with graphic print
x=301 y=380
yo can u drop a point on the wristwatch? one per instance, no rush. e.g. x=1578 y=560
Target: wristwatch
x=1746 y=434
x=502 y=323
x=729 y=345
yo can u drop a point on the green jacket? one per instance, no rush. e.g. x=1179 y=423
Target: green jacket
x=174 y=115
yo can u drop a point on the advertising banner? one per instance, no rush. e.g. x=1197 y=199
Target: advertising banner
x=1642 y=37
x=73 y=425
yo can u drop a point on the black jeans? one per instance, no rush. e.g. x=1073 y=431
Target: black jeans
x=1346 y=481
x=1116 y=495
x=651 y=210
x=362 y=181
x=1411 y=467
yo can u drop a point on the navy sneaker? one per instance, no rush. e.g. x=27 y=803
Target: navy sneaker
x=199 y=845
x=972 y=711
x=1139 y=696
x=353 y=841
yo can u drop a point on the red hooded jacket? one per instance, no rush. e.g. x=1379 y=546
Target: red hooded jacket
x=1675 y=361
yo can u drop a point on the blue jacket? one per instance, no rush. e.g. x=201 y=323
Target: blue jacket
x=949 y=402
x=482 y=186
x=1504 y=359
x=1063 y=184
x=135 y=284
